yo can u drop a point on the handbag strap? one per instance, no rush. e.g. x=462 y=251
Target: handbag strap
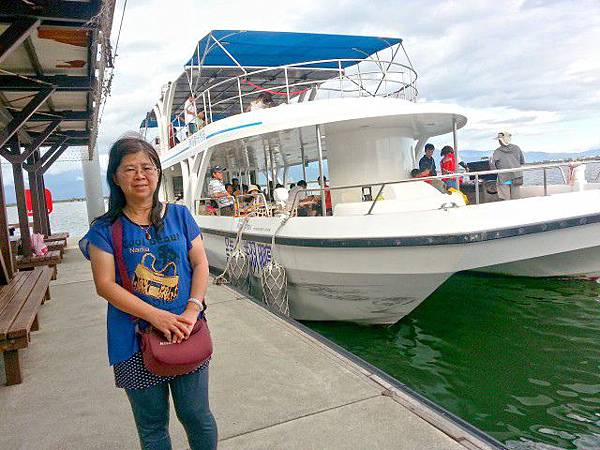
x=116 y=230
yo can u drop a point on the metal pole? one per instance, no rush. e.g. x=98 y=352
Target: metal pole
x=320 y=148
x=341 y=80
x=287 y=84
x=240 y=95
x=209 y=106
x=454 y=139
x=303 y=165
x=266 y=166
x=545 y=183
x=273 y=173
x=477 y=189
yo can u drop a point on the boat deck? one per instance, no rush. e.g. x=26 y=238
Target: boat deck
x=272 y=385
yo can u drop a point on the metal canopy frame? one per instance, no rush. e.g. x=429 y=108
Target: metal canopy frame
x=220 y=88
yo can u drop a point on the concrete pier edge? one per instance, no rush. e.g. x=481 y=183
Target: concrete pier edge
x=445 y=421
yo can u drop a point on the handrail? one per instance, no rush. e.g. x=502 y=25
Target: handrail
x=395 y=73
x=524 y=168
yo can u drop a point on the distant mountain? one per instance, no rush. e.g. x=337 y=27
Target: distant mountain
x=64 y=186
x=474 y=155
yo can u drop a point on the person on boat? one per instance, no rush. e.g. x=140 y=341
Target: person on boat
x=254 y=204
x=263 y=101
x=280 y=195
x=508 y=156
x=299 y=200
x=189 y=115
x=170 y=235
x=217 y=191
x=235 y=184
x=438 y=184
x=229 y=188
x=328 y=204
x=448 y=165
x=427 y=161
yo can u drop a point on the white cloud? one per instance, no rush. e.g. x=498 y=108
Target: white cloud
x=530 y=66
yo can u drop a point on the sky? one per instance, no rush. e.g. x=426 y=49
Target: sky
x=531 y=67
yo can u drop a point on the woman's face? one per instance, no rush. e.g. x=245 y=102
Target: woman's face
x=137 y=176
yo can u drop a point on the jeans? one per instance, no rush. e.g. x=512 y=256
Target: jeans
x=150 y=408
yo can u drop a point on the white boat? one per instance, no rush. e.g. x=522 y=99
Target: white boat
x=348 y=102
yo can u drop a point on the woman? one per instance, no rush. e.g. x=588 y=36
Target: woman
x=164 y=256
x=448 y=165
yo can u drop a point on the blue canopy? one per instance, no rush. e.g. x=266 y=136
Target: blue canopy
x=273 y=49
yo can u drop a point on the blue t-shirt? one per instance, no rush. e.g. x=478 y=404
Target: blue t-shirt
x=159 y=269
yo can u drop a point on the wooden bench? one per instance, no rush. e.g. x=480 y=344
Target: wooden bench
x=57 y=237
x=57 y=246
x=51 y=259
x=20 y=301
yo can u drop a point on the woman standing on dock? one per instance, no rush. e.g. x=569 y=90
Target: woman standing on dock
x=164 y=255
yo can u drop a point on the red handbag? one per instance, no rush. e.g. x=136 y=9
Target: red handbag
x=160 y=356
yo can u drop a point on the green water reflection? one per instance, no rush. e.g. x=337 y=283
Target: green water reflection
x=518 y=358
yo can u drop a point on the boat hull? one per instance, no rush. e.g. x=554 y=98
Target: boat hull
x=369 y=286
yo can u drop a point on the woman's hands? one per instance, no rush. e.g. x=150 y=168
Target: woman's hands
x=175 y=328
x=191 y=315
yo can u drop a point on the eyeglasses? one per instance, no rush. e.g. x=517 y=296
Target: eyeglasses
x=148 y=170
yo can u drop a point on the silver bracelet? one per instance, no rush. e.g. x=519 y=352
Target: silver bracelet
x=196 y=301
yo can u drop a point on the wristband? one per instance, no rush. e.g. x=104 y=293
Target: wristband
x=196 y=301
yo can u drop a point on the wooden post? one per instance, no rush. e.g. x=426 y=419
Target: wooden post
x=35 y=199
x=6 y=267
x=21 y=208
x=12 y=366
x=44 y=207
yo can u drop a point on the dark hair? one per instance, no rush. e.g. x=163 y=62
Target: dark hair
x=265 y=97
x=414 y=173
x=228 y=185
x=446 y=150
x=429 y=147
x=292 y=185
x=302 y=183
x=116 y=200
x=244 y=187
x=233 y=180
x=279 y=185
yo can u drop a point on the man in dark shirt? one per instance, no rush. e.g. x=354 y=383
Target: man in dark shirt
x=427 y=162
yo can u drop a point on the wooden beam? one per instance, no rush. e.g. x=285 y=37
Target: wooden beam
x=56 y=10
x=38 y=164
x=38 y=141
x=15 y=34
x=22 y=116
x=62 y=83
x=65 y=116
x=54 y=157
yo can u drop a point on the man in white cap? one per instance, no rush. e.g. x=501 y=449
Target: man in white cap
x=508 y=156
x=217 y=191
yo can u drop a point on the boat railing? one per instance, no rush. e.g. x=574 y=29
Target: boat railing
x=294 y=82
x=477 y=178
x=259 y=207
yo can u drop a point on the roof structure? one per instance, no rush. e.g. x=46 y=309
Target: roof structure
x=255 y=49
x=59 y=46
x=222 y=55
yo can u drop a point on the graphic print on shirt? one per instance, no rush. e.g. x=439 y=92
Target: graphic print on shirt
x=160 y=284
